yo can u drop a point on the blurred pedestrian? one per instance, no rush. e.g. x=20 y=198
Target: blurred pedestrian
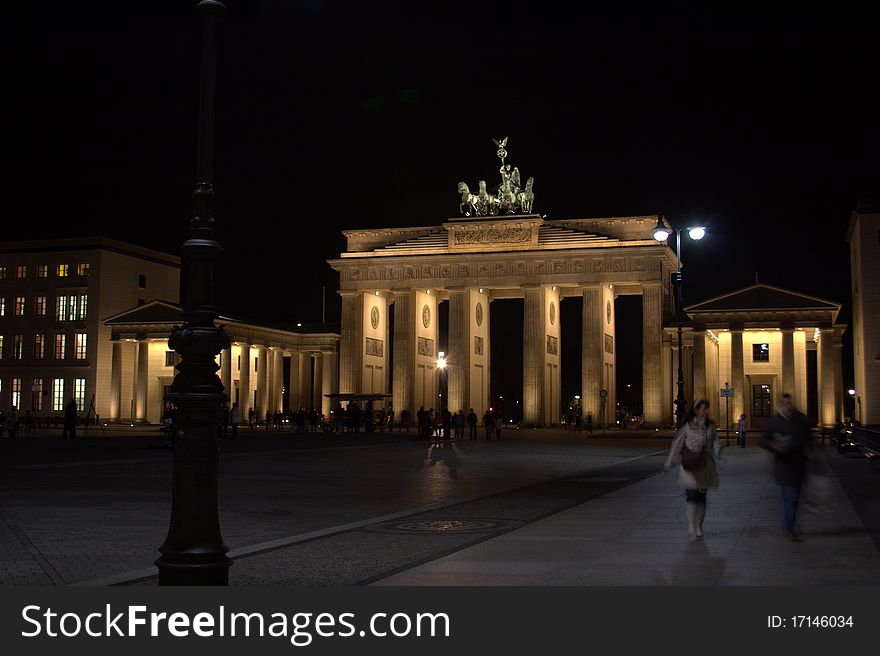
x=788 y=437
x=499 y=424
x=694 y=450
x=11 y=423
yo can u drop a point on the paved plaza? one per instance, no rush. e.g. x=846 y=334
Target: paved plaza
x=539 y=507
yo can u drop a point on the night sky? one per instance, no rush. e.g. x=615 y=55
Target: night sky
x=760 y=123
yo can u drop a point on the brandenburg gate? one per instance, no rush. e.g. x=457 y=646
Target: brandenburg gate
x=498 y=251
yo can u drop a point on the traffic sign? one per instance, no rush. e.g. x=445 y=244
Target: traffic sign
x=727 y=392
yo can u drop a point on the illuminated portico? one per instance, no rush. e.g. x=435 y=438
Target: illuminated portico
x=251 y=369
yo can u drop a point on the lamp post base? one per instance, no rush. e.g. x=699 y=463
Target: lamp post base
x=175 y=572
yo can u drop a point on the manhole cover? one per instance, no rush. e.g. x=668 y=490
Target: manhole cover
x=597 y=479
x=444 y=526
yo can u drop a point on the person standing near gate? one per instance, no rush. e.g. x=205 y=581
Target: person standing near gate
x=69 y=420
x=741 y=427
x=235 y=419
x=472 y=425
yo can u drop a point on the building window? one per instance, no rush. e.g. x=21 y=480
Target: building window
x=19 y=306
x=2 y=273
x=80 y=346
x=761 y=401
x=62 y=270
x=43 y=271
x=37 y=395
x=60 y=346
x=1 y=347
x=2 y=307
x=170 y=359
x=256 y=363
x=71 y=308
x=142 y=281
x=39 y=346
x=760 y=353
x=58 y=395
x=16 y=393
x=17 y=347
x=237 y=363
x=79 y=393
x=21 y=271
x=61 y=308
x=40 y=306
x=83 y=269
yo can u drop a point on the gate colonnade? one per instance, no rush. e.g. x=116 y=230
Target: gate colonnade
x=472 y=261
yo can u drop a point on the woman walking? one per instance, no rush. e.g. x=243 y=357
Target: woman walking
x=694 y=450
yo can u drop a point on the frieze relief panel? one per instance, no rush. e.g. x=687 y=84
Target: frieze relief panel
x=609 y=344
x=375 y=347
x=426 y=347
x=578 y=266
x=552 y=345
x=492 y=235
x=446 y=271
x=618 y=264
x=558 y=266
x=478 y=345
x=638 y=264
x=597 y=265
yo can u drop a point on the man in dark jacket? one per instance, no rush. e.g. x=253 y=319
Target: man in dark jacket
x=69 y=420
x=788 y=436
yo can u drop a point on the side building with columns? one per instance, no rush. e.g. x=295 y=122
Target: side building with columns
x=864 y=243
x=267 y=368
x=53 y=295
x=471 y=262
x=758 y=342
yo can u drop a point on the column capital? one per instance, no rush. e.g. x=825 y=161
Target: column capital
x=349 y=292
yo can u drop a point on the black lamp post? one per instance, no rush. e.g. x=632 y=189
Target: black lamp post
x=193 y=552
x=661 y=234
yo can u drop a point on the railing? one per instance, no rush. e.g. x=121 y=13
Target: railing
x=867 y=438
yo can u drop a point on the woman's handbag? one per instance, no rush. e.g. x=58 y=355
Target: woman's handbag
x=693 y=460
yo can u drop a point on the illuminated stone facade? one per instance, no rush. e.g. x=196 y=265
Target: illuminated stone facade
x=470 y=262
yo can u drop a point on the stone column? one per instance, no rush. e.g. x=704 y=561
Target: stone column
x=788 y=378
x=737 y=374
x=838 y=380
x=226 y=373
x=305 y=379
x=668 y=383
x=328 y=382
x=295 y=398
x=244 y=383
x=404 y=354
x=318 y=387
x=262 y=382
x=533 y=356
x=116 y=380
x=458 y=358
x=652 y=334
x=351 y=346
x=700 y=390
x=143 y=364
x=592 y=360
x=826 y=377
x=278 y=375
x=270 y=381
